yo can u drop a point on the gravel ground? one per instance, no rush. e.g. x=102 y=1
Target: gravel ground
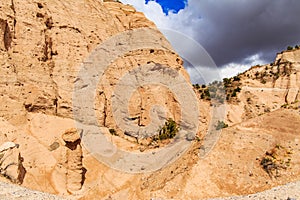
x=290 y=191
x=10 y=191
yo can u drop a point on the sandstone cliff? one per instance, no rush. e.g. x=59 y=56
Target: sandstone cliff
x=267 y=88
x=44 y=45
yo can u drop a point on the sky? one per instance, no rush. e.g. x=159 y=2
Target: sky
x=231 y=35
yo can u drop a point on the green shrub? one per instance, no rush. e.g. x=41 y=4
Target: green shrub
x=275 y=160
x=238 y=89
x=233 y=94
x=206 y=93
x=289 y=48
x=226 y=81
x=236 y=78
x=221 y=125
x=168 y=131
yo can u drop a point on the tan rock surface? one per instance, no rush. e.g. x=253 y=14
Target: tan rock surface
x=42 y=47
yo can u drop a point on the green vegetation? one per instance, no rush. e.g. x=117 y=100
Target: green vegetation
x=275 y=160
x=221 y=125
x=236 y=78
x=218 y=90
x=168 y=131
x=268 y=75
x=226 y=82
x=289 y=48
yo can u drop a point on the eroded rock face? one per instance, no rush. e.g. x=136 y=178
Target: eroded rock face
x=42 y=46
x=7 y=25
x=42 y=49
x=11 y=162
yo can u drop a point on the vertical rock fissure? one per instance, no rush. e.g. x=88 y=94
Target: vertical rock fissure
x=48 y=58
x=7 y=38
x=104 y=110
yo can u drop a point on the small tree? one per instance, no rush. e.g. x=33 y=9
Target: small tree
x=289 y=48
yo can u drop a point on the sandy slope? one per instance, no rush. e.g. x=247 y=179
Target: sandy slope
x=289 y=191
x=10 y=191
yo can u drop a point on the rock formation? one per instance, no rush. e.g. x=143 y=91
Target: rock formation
x=44 y=48
x=75 y=174
x=266 y=88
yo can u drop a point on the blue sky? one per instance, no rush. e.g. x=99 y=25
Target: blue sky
x=170 y=5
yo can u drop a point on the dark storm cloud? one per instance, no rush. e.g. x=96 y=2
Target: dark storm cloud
x=237 y=34
x=232 y=30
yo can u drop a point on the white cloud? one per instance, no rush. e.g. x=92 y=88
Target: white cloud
x=232 y=69
x=181 y=21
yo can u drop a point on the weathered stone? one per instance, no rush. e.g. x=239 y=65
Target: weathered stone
x=11 y=162
x=71 y=135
